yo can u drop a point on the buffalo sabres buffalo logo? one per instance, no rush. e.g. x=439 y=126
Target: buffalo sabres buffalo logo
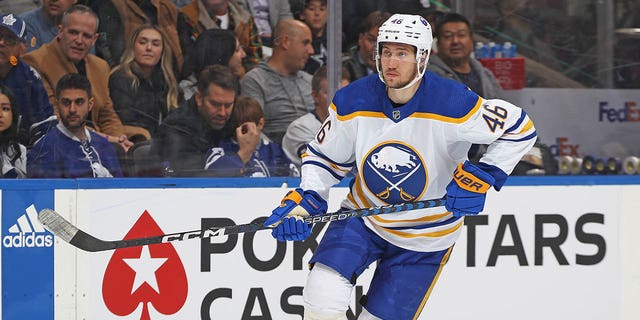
x=394 y=172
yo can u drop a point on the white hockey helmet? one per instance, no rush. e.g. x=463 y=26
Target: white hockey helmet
x=409 y=29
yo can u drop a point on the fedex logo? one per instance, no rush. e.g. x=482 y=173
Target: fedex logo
x=629 y=113
x=564 y=148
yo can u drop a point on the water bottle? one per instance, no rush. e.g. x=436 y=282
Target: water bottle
x=497 y=51
x=480 y=51
x=491 y=48
x=508 y=50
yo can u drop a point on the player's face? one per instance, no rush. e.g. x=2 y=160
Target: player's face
x=147 y=49
x=78 y=35
x=74 y=106
x=235 y=63
x=300 y=47
x=216 y=106
x=54 y=8
x=315 y=15
x=398 y=64
x=6 y=115
x=455 y=42
x=367 y=42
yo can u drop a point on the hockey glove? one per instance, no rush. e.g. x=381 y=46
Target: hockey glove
x=466 y=193
x=288 y=217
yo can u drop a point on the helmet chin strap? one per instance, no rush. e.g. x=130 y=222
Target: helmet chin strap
x=411 y=83
x=419 y=75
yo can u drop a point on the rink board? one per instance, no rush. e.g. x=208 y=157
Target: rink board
x=542 y=249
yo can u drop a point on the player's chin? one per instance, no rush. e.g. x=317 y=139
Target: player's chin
x=396 y=84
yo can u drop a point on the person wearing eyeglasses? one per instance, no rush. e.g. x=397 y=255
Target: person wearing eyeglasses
x=71 y=150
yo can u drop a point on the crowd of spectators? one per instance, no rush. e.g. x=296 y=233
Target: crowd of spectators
x=212 y=87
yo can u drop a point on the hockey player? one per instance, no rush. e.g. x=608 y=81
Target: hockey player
x=407 y=133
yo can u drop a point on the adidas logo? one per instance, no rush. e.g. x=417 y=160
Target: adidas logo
x=27 y=232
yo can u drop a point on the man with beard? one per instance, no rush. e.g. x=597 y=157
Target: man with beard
x=71 y=150
x=184 y=138
x=405 y=134
x=69 y=52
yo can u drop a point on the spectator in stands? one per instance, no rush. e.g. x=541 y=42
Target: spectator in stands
x=187 y=134
x=69 y=53
x=35 y=112
x=453 y=59
x=304 y=129
x=201 y=15
x=71 y=150
x=120 y=18
x=266 y=14
x=143 y=86
x=361 y=61
x=315 y=14
x=279 y=84
x=353 y=15
x=13 y=154
x=249 y=152
x=213 y=46
x=42 y=22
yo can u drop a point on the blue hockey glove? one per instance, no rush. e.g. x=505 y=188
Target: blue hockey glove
x=466 y=193
x=287 y=218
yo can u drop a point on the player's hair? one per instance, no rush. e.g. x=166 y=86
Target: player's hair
x=451 y=17
x=73 y=81
x=9 y=137
x=221 y=76
x=80 y=9
x=127 y=63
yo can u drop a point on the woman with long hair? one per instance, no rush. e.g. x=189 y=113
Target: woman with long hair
x=213 y=46
x=143 y=86
x=13 y=154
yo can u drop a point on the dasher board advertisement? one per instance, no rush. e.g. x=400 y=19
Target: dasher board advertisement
x=520 y=255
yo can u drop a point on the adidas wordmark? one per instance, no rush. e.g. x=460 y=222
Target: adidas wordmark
x=27 y=232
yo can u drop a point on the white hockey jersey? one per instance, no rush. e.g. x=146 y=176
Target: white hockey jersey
x=409 y=153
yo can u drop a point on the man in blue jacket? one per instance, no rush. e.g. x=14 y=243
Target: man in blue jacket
x=71 y=150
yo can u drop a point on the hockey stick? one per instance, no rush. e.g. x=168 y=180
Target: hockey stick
x=62 y=228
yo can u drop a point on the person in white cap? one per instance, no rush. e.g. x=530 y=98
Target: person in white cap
x=406 y=133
